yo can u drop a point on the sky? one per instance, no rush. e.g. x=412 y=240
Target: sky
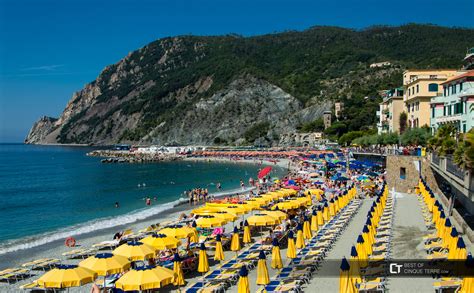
x=51 y=48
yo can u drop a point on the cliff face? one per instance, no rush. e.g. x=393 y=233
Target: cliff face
x=233 y=90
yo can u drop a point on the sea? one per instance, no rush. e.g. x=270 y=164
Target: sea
x=48 y=193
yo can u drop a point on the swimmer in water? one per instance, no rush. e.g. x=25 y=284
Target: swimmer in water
x=117 y=205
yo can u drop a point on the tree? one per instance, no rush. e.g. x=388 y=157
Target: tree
x=415 y=137
x=403 y=122
x=464 y=153
x=313 y=126
x=443 y=141
x=336 y=130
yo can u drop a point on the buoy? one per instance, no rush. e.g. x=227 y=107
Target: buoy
x=70 y=242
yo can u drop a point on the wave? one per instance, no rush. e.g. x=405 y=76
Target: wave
x=87 y=227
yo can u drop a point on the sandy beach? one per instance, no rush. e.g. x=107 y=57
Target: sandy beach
x=55 y=249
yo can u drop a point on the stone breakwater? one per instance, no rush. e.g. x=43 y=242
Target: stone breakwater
x=110 y=156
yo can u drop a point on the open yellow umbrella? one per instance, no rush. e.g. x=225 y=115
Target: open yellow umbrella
x=235 y=241
x=275 y=214
x=106 y=264
x=178 y=271
x=306 y=229
x=161 y=241
x=299 y=236
x=145 y=278
x=262 y=270
x=178 y=231
x=208 y=221
x=227 y=216
x=135 y=250
x=219 y=253
x=345 y=284
x=65 y=276
x=246 y=238
x=237 y=210
x=203 y=265
x=291 y=251
x=243 y=285
x=277 y=263
x=261 y=219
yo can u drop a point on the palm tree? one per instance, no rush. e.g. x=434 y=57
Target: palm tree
x=464 y=154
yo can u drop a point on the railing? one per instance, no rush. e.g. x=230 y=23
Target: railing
x=454 y=169
x=435 y=159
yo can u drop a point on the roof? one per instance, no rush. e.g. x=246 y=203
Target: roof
x=470 y=73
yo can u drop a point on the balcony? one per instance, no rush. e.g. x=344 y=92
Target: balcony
x=447 y=119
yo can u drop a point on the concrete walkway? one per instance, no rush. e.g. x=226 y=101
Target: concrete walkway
x=407 y=243
x=326 y=279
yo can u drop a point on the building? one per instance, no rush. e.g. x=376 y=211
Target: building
x=456 y=104
x=327 y=119
x=380 y=64
x=419 y=87
x=468 y=62
x=338 y=108
x=390 y=109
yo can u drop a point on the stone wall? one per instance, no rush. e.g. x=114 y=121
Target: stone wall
x=394 y=180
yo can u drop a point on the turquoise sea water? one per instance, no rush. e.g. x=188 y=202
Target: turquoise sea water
x=48 y=191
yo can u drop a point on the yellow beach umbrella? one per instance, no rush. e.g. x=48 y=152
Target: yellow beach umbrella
x=363 y=258
x=227 y=216
x=275 y=214
x=277 y=263
x=262 y=219
x=195 y=236
x=106 y=264
x=299 y=237
x=286 y=205
x=161 y=241
x=178 y=271
x=467 y=285
x=178 y=231
x=66 y=276
x=135 y=250
x=208 y=221
x=247 y=237
x=262 y=270
x=355 y=267
x=320 y=218
x=291 y=251
x=345 y=284
x=314 y=221
x=306 y=229
x=237 y=210
x=145 y=278
x=235 y=241
x=243 y=285
x=203 y=265
x=461 y=252
x=219 y=253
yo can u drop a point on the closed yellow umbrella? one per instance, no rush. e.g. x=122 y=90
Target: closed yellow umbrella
x=66 y=276
x=299 y=237
x=195 y=236
x=320 y=218
x=178 y=271
x=208 y=221
x=261 y=219
x=145 y=278
x=246 y=238
x=345 y=284
x=467 y=285
x=203 y=265
x=326 y=212
x=461 y=252
x=106 y=264
x=135 y=250
x=243 y=285
x=275 y=214
x=277 y=263
x=355 y=268
x=306 y=229
x=219 y=253
x=161 y=241
x=262 y=270
x=314 y=221
x=235 y=242
x=291 y=251
x=178 y=231
x=363 y=258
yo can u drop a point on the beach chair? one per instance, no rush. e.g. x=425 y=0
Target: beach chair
x=447 y=285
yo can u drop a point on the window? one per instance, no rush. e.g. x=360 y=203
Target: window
x=449 y=110
x=417 y=88
x=444 y=111
x=408 y=92
x=460 y=86
x=408 y=108
x=453 y=88
x=433 y=112
x=444 y=91
x=433 y=87
x=464 y=128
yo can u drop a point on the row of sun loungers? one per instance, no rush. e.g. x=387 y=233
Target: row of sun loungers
x=300 y=270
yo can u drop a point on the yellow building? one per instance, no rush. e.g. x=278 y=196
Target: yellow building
x=419 y=87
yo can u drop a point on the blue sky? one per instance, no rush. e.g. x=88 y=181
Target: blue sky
x=51 y=48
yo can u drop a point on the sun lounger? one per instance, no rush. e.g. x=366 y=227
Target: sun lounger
x=371 y=287
x=107 y=244
x=13 y=275
x=445 y=285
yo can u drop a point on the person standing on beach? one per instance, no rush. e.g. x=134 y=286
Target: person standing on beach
x=242 y=185
x=148 y=201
